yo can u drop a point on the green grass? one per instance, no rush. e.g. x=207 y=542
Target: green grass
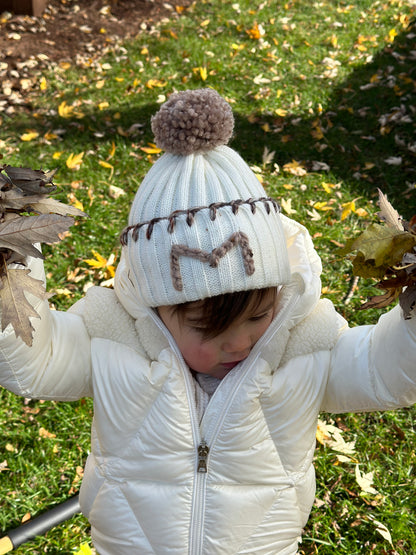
x=272 y=61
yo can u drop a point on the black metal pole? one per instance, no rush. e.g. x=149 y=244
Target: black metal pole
x=39 y=525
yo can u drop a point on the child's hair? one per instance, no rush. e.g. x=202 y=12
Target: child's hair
x=219 y=312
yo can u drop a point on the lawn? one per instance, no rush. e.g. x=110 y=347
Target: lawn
x=323 y=95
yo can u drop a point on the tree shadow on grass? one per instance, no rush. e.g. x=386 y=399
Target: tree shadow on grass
x=367 y=134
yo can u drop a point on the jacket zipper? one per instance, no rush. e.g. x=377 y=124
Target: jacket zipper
x=202 y=446
x=201 y=451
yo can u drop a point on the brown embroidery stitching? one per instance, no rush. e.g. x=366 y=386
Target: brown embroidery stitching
x=213 y=257
x=190 y=216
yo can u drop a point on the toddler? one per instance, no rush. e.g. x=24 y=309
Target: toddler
x=211 y=359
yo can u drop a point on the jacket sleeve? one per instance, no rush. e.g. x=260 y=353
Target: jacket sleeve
x=373 y=367
x=58 y=364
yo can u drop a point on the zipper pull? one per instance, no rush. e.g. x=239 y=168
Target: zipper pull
x=203 y=451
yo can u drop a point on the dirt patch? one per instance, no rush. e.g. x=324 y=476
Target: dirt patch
x=69 y=31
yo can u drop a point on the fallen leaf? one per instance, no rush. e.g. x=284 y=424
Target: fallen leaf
x=151 y=149
x=43 y=432
x=74 y=161
x=365 y=481
x=295 y=168
x=116 y=192
x=29 y=136
x=287 y=206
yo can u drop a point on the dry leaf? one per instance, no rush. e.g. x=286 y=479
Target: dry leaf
x=44 y=433
x=20 y=234
x=16 y=309
x=365 y=481
x=387 y=253
x=387 y=213
x=23 y=193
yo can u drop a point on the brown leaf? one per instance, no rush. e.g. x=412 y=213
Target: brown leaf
x=407 y=301
x=31 y=181
x=381 y=301
x=38 y=203
x=20 y=234
x=16 y=309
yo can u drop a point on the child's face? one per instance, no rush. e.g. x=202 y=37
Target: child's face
x=218 y=355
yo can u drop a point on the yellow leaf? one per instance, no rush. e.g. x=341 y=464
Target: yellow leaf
x=152 y=83
x=113 y=150
x=103 y=105
x=29 y=136
x=43 y=85
x=204 y=23
x=322 y=434
x=281 y=112
x=84 y=549
x=74 y=161
x=75 y=202
x=25 y=518
x=295 y=168
x=64 y=291
x=144 y=51
x=56 y=155
x=203 y=73
x=347 y=208
x=64 y=110
x=97 y=262
x=330 y=435
x=322 y=206
x=64 y=65
x=50 y=136
x=327 y=187
x=151 y=149
x=361 y=212
x=45 y=434
x=106 y=165
x=10 y=448
x=100 y=84
x=392 y=35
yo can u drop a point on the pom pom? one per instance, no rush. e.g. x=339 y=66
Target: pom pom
x=193 y=121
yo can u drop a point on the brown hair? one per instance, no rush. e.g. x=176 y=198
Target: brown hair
x=218 y=313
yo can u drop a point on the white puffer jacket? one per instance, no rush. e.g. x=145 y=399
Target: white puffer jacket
x=145 y=489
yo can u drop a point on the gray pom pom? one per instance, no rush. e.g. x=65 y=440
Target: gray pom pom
x=193 y=121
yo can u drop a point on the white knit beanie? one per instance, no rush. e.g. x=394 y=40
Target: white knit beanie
x=201 y=224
